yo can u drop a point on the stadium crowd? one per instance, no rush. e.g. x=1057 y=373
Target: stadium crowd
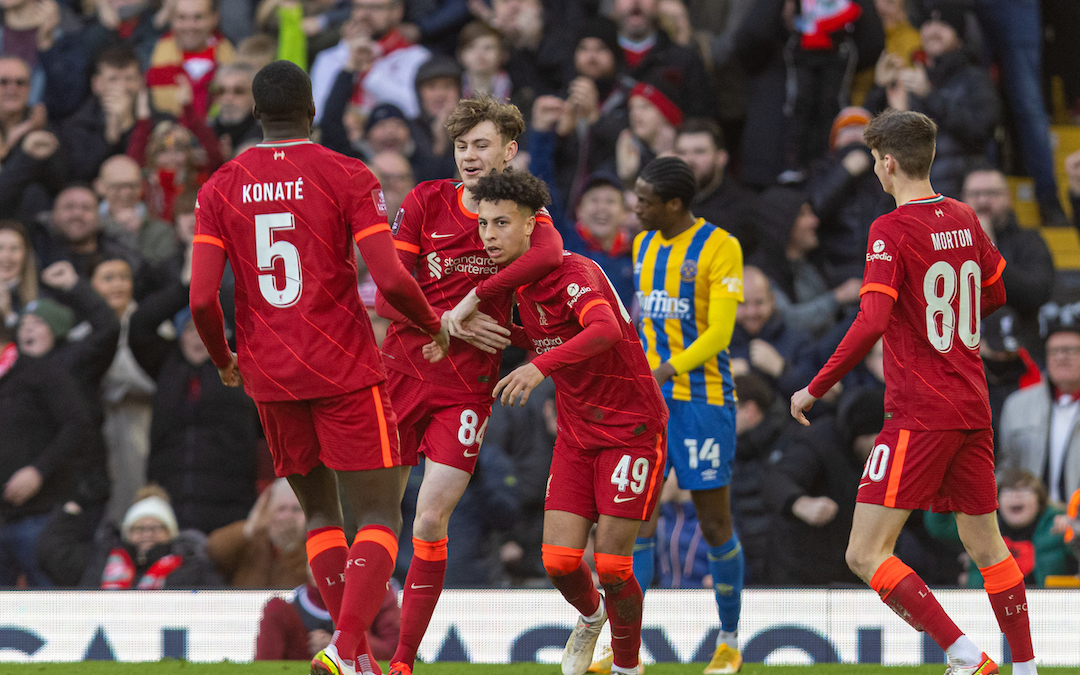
x=114 y=112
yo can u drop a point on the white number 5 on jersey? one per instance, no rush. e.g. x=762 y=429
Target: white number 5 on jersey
x=267 y=250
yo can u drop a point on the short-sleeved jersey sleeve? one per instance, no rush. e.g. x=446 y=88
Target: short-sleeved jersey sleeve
x=725 y=270
x=884 y=265
x=991 y=263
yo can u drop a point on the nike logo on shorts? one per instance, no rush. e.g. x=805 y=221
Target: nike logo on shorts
x=862 y=485
x=417 y=587
x=441 y=236
x=619 y=499
x=472 y=454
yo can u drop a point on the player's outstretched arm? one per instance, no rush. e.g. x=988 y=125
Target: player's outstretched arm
x=544 y=256
x=399 y=287
x=600 y=331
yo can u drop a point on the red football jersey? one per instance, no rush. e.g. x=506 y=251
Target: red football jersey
x=608 y=400
x=286 y=214
x=439 y=240
x=932 y=256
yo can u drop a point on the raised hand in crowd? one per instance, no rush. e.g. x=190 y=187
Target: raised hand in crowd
x=627 y=156
x=35 y=120
x=583 y=100
x=40 y=145
x=814 y=511
x=548 y=111
x=60 y=275
x=361 y=54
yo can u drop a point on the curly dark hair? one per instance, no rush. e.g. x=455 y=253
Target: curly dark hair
x=520 y=187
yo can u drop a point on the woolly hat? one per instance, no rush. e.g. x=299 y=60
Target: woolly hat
x=436 y=67
x=152 y=507
x=59 y=318
x=949 y=12
x=381 y=112
x=662 y=101
x=852 y=116
x=606 y=31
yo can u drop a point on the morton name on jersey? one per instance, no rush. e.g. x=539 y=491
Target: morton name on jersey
x=287 y=214
x=610 y=399
x=933 y=258
x=438 y=238
x=676 y=279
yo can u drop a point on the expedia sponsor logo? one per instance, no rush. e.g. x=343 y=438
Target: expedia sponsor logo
x=878 y=256
x=660 y=305
x=546 y=344
x=575 y=292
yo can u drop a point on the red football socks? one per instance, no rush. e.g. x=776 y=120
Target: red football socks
x=569 y=573
x=326 y=552
x=908 y=595
x=367 y=570
x=623 y=598
x=423 y=586
x=1004 y=583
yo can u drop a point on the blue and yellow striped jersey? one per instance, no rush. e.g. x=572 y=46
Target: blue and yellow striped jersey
x=675 y=280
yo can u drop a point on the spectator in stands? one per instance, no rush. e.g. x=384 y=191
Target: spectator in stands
x=18 y=270
x=265 y=550
x=202 y=437
x=173 y=163
x=190 y=53
x=541 y=46
x=297 y=628
x=595 y=112
x=482 y=54
x=600 y=232
x=1026 y=519
x=46 y=421
x=126 y=391
x=77 y=234
x=846 y=196
x=388 y=76
x=257 y=51
x=654 y=117
x=234 y=124
x=525 y=435
x=320 y=20
x=802 y=295
x=31 y=170
x=102 y=125
x=650 y=55
x=438 y=88
x=396 y=177
x=721 y=200
x=811 y=485
x=65 y=546
x=1037 y=431
x=1029 y=273
x=958 y=95
x=681 y=552
x=125 y=217
x=150 y=551
x=761 y=342
x=901 y=43
x=760 y=421
x=1013 y=33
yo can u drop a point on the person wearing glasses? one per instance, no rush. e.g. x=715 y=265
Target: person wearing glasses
x=234 y=124
x=1038 y=423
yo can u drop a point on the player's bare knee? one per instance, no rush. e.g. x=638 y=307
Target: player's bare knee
x=858 y=562
x=431 y=525
x=716 y=532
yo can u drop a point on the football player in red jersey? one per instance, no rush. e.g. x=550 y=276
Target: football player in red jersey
x=608 y=463
x=286 y=214
x=931 y=274
x=443 y=407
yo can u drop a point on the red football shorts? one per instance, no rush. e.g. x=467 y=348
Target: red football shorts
x=351 y=432
x=931 y=470
x=623 y=482
x=443 y=424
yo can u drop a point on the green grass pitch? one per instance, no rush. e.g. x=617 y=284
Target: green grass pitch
x=299 y=668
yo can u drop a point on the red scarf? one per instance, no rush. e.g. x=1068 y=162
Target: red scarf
x=621 y=244
x=120 y=571
x=391 y=42
x=8 y=356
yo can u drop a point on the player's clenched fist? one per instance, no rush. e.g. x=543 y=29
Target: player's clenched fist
x=230 y=374
x=522 y=381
